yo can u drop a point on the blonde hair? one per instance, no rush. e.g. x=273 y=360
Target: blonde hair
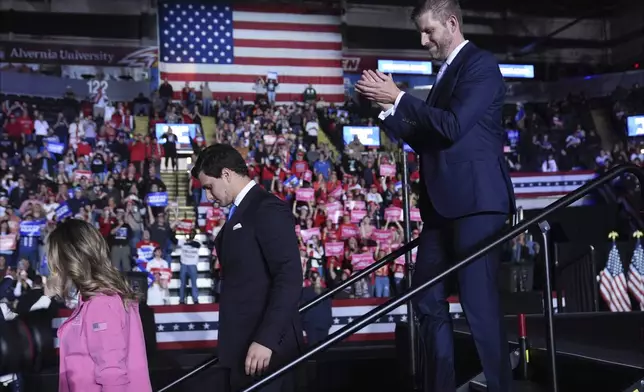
x=78 y=256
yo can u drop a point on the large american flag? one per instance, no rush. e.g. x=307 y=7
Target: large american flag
x=612 y=283
x=231 y=46
x=636 y=274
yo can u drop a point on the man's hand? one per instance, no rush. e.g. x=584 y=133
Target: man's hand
x=257 y=359
x=378 y=87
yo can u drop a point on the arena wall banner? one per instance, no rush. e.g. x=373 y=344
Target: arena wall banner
x=53 y=86
x=357 y=63
x=197 y=326
x=52 y=53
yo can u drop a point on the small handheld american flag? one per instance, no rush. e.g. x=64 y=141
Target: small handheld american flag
x=636 y=271
x=612 y=281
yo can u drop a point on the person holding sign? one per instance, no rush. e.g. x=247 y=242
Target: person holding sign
x=260 y=327
x=467 y=193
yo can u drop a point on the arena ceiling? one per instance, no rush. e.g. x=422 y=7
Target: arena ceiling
x=545 y=8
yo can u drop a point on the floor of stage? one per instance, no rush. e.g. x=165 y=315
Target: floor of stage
x=590 y=358
x=628 y=356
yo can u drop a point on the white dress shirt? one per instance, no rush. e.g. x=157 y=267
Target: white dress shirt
x=244 y=192
x=392 y=110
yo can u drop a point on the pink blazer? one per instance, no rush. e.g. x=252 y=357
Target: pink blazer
x=102 y=348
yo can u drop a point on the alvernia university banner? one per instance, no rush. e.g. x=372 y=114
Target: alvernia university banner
x=46 y=53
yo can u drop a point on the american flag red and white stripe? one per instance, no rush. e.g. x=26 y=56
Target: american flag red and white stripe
x=636 y=274
x=612 y=283
x=230 y=46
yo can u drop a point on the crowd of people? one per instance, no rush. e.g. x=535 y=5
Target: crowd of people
x=86 y=162
x=561 y=136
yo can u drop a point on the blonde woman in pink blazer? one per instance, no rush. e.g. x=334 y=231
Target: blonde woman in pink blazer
x=102 y=348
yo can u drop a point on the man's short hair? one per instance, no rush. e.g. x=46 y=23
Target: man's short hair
x=214 y=159
x=442 y=10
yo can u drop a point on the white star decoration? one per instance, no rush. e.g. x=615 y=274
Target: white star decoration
x=339 y=321
x=174 y=30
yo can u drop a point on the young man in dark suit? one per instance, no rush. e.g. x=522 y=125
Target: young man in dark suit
x=467 y=193
x=259 y=324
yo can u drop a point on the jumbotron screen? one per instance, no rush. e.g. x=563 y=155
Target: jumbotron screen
x=183 y=131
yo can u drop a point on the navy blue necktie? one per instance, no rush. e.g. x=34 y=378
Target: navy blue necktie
x=233 y=207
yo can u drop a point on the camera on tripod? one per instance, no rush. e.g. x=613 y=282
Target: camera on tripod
x=27 y=343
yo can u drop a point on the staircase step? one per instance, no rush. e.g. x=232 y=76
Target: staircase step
x=479 y=384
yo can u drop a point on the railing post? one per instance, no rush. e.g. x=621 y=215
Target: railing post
x=593 y=269
x=409 y=270
x=556 y=280
x=544 y=226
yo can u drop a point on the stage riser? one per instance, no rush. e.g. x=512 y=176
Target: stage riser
x=612 y=331
x=348 y=369
x=596 y=351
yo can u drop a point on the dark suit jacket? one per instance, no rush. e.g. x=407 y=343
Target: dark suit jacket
x=319 y=316
x=262 y=281
x=51 y=165
x=28 y=299
x=7 y=285
x=459 y=137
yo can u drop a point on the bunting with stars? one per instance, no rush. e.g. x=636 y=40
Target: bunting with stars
x=532 y=185
x=196 y=326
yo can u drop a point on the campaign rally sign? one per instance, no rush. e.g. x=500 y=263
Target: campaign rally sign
x=334 y=249
x=361 y=261
x=158 y=199
x=334 y=211
x=56 y=148
x=388 y=170
x=140 y=267
x=393 y=214
x=348 y=231
x=79 y=174
x=63 y=212
x=305 y=194
x=7 y=242
x=355 y=205
x=358 y=215
x=382 y=236
x=310 y=233
x=185 y=226
x=31 y=228
x=146 y=252
x=336 y=193
x=292 y=181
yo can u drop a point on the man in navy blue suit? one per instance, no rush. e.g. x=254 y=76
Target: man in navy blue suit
x=259 y=324
x=467 y=193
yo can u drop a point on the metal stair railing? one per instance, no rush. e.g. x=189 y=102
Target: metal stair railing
x=315 y=301
x=395 y=302
x=499 y=240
